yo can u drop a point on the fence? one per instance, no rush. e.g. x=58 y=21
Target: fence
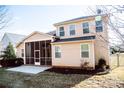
x=116 y=60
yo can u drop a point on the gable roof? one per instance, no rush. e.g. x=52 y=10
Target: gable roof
x=75 y=19
x=35 y=32
x=13 y=38
x=53 y=33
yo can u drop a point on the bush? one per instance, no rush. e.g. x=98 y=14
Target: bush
x=101 y=65
x=11 y=62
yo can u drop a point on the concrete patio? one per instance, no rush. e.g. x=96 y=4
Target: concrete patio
x=29 y=69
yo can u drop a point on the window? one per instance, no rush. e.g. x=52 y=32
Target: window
x=99 y=27
x=84 y=50
x=61 y=31
x=22 y=52
x=72 y=30
x=85 y=27
x=57 y=52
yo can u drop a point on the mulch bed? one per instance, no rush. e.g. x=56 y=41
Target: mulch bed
x=72 y=71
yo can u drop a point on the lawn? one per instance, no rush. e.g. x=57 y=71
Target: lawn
x=45 y=79
x=119 y=72
x=60 y=79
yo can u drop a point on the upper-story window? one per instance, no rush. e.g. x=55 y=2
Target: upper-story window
x=99 y=27
x=86 y=27
x=72 y=30
x=61 y=31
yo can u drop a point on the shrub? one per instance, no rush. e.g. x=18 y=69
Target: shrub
x=9 y=52
x=11 y=62
x=101 y=65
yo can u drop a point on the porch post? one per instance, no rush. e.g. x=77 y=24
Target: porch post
x=24 y=54
x=45 y=52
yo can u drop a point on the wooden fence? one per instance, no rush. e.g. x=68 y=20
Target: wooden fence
x=116 y=60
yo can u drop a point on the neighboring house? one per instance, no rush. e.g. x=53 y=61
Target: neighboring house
x=0 y=49
x=12 y=38
x=77 y=41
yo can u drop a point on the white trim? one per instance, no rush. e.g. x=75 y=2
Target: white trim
x=55 y=51
x=93 y=55
x=59 y=31
x=83 y=27
x=36 y=63
x=24 y=54
x=69 y=30
x=36 y=32
x=88 y=50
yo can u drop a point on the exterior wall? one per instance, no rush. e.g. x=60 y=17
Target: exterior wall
x=18 y=53
x=38 y=37
x=101 y=44
x=71 y=54
x=0 y=48
x=78 y=28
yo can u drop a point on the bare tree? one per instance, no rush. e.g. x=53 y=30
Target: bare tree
x=115 y=23
x=4 y=16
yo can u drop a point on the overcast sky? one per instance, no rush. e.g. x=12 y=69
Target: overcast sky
x=26 y=19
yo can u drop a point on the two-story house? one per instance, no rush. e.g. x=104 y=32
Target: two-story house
x=79 y=41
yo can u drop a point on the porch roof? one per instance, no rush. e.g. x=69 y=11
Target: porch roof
x=75 y=39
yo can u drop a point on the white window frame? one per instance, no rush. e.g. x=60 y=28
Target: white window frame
x=58 y=52
x=85 y=27
x=22 y=52
x=99 y=26
x=69 y=29
x=88 y=50
x=60 y=31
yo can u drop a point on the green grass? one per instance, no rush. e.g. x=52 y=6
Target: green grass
x=42 y=80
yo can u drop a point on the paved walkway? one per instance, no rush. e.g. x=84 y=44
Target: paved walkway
x=29 y=69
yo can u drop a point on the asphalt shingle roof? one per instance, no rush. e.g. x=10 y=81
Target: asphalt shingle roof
x=15 y=38
x=75 y=39
x=83 y=17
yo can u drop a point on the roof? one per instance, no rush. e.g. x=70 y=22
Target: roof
x=53 y=33
x=83 y=17
x=75 y=39
x=35 y=32
x=14 y=38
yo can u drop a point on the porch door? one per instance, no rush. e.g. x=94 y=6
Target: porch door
x=37 y=53
x=37 y=57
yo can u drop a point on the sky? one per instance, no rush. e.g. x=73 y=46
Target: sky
x=26 y=18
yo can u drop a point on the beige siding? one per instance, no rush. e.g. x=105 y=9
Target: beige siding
x=78 y=28
x=19 y=48
x=71 y=55
x=101 y=44
x=38 y=37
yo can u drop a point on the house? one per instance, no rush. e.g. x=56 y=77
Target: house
x=12 y=38
x=79 y=41
x=0 y=49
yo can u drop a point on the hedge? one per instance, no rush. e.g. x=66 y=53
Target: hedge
x=11 y=62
